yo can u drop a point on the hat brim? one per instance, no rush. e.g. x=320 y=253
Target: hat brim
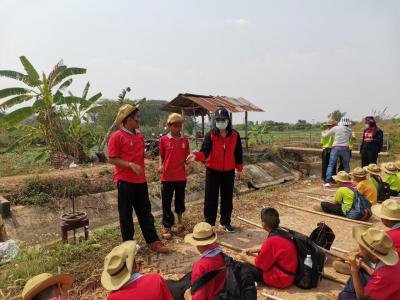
x=121 y=117
x=66 y=281
x=190 y=240
x=336 y=178
x=371 y=172
x=377 y=211
x=389 y=259
x=358 y=176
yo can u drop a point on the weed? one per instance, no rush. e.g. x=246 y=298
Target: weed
x=104 y=171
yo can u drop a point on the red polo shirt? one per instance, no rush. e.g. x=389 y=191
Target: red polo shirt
x=277 y=249
x=173 y=151
x=211 y=289
x=148 y=287
x=384 y=283
x=394 y=234
x=127 y=146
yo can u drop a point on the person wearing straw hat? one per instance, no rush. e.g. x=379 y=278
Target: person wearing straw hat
x=374 y=172
x=389 y=213
x=372 y=142
x=397 y=164
x=121 y=276
x=174 y=148
x=126 y=151
x=391 y=177
x=204 y=239
x=326 y=143
x=364 y=186
x=384 y=284
x=46 y=286
x=340 y=148
x=342 y=199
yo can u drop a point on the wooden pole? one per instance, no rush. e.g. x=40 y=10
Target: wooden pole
x=226 y=245
x=272 y=297
x=246 y=130
x=332 y=278
x=317 y=199
x=183 y=124
x=326 y=215
x=310 y=193
x=202 y=126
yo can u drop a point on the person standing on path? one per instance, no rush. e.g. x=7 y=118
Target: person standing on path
x=326 y=143
x=174 y=148
x=372 y=142
x=340 y=148
x=222 y=152
x=126 y=152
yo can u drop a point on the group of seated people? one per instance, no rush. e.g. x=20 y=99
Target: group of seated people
x=264 y=264
x=367 y=182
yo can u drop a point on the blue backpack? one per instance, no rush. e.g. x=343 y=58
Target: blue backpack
x=361 y=208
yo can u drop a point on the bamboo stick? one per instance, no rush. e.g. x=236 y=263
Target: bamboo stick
x=332 y=278
x=315 y=198
x=310 y=193
x=226 y=245
x=326 y=215
x=250 y=222
x=272 y=297
x=340 y=250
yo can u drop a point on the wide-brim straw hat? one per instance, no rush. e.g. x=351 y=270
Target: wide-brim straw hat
x=118 y=266
x=397 y=163
x=373 y=169
x=388 y=210
x=389 y=168
x=376 y=242
x=202 y=235
x=342 y=176
x=359 y=173
x=40 y=282
x=124 y=111
x=329 y=122
x=174 y=118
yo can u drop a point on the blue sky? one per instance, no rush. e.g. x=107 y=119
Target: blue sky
x=295 y=59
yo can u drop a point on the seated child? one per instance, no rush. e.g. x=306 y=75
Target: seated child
x=276 y=262
x=121 y=277
x=390 y=170
x=364 y=186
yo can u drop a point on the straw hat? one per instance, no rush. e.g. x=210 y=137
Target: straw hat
x=124 y=111
x=118 y=266
x=373 y=169
x=174 y=118
x=389 y=168
x=330 y=122
x=202 y=235
x=397 y=163
x=359 y=172
x=388 y=210
x=376 y=242
x=342 y=176
x=40 y=282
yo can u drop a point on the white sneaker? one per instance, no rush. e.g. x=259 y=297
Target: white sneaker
x=327 y=184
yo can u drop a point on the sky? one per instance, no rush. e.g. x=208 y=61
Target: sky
x=295 y=59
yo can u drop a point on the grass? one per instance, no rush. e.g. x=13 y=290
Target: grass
x=23 y=163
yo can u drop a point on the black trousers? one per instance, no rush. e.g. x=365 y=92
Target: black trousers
x=135 y=196
x=256 y=273
x=216 y=182
x=168 y=188
x=326 y=153
x=369 y=155
x=333 y=209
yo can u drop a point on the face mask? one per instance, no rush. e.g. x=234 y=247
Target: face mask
x=221 y=125
x=366 y=125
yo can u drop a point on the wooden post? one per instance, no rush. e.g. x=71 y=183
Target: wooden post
x=202 y=125
x=246 y=130
x=183 y=124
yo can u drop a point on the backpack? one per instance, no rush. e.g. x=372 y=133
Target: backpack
x=383 y=190
x=360 y=209
x=305 y=278
x=323 y=236
x=231 y=289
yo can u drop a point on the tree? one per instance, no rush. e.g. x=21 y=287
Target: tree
x=45 y=95
x=336 y=115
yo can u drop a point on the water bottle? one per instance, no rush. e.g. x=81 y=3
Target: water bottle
x=307 y=276
x=308 y=261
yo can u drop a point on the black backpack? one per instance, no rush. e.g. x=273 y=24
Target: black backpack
x=305 y=278
x=323 y=236
x=383 y=190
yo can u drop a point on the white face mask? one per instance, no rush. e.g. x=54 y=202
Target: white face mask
x=222 y=125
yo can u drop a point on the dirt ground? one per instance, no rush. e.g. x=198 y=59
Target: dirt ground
x=179 y=262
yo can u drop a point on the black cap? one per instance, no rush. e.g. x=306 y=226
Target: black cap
x=221 y=112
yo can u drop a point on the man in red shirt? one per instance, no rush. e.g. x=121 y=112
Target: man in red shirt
x=276 y=261
x=204 y=238
x=126 y=152
x=389 y=212
x=121 y=276
x=174 y=148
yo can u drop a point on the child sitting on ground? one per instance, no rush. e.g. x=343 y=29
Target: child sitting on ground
x=384 y=283
x=174 y=148
x=276 y=262
x=121 y=277
x=391 y=177
x=364 y=186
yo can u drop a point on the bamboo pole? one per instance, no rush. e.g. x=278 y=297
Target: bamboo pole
x=326 y=215
x=310 y=193
x=317 y=199
x=272 y=297
x=226 y=245
x=332 y=278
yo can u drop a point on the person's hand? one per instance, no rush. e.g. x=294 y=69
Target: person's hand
x=239 y=175
x=161 y=169
x=248 y=251
x=187 y=295
x=136 y=168
x=191 y=157
x=355 y=262
x=243 y=255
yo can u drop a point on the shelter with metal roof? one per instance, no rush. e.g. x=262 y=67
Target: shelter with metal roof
x=200 y=105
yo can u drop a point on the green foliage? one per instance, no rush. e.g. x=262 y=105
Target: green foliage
x=336 y=115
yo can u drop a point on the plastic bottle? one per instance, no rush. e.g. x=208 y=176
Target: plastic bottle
x=308 y=261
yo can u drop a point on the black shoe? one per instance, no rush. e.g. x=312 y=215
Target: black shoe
x=228 y=228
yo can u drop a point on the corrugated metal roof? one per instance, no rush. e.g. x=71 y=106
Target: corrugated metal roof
x=202 y=105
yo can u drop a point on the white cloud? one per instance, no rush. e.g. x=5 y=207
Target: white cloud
x=241 y=22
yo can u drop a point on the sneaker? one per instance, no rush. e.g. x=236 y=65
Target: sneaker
x=228 y=228
x=158 y=247
x=166 y=233
x=327 y=184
